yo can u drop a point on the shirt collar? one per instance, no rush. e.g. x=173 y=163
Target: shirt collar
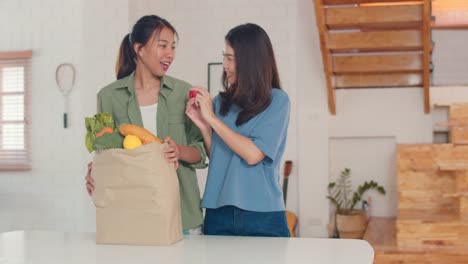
x=127 y=82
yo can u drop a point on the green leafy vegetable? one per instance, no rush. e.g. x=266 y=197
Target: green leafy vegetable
x=108 y=141
x=95 y=125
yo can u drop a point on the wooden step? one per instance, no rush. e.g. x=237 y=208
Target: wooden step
x=459 y=135
x=446 y=235
x=397 y=63
x=456 y=195
x=353 y=2
x=378 y=80
x=449 y=214
x=453 y=123
x=458 y=113
x=464 y=209
x=460 y=152
x=381 y=234
x=453 y=165
x=397 y=17
x=375 y=41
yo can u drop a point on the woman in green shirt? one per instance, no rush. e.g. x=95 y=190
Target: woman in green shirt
x=145 y=96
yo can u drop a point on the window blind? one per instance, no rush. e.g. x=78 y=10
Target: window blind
x=15 y=83
x=450 y=13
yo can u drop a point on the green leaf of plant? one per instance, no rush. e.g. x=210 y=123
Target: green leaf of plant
x=344 y=199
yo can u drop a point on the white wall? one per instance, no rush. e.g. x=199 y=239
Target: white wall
x=445 y=95
x=312 y=130
x=395 y=112
x=45 y=197
x=105 y=23
x=52 y=195
x=450 y=57
x=376 y=161
x=88 y=34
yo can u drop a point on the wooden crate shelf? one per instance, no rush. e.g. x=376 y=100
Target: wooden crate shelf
x=432 y=221
x=448 y=214
x=458 y=116
x=439 y=235
x=381 y=234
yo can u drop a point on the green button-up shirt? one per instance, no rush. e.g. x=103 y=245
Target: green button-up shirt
x=120 y=100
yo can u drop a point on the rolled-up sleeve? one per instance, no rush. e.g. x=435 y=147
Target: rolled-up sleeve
x=195 y=139
x=271 y=129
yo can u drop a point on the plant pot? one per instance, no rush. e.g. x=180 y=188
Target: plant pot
x=353 y=225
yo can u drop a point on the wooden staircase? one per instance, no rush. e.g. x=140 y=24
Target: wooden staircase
x=375 y=43
x=432 y=222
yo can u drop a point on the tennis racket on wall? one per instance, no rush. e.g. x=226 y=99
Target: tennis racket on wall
x=65 y=78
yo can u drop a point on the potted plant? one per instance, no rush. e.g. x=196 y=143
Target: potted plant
x=349 y=221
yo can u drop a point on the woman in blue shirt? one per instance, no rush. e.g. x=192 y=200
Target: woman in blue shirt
x=245 y=129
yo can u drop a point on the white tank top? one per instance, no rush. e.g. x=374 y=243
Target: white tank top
x=148 y=115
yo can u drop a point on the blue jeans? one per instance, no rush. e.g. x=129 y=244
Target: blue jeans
x=233 y=221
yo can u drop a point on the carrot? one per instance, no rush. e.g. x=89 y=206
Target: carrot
x=105 y=130
x=144 y=135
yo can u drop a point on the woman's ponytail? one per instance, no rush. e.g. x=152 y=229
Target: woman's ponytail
x=125 y=64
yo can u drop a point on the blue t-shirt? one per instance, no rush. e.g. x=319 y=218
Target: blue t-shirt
x=231 y=181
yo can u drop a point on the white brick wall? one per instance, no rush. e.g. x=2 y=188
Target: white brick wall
x=52 y=195
x=44 y=197
x=105 y=22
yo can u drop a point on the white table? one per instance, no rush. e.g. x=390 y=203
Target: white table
x=46 y=247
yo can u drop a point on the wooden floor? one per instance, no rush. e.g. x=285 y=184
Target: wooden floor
x=381 y=233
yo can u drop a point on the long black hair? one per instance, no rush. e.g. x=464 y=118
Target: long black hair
x=141 y=33
x=256 y=72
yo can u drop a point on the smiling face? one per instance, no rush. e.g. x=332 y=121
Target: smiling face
x=158 y=53
x=229 y=64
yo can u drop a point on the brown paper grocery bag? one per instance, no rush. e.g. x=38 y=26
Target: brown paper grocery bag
x=136 y=197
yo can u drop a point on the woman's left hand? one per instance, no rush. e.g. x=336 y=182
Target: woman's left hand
x=172 y=152
x=192 y=110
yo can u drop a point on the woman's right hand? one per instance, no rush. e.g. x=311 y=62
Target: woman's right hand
x=193 y=111
x=89 y=180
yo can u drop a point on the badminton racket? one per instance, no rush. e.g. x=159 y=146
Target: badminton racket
x=65 y=78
